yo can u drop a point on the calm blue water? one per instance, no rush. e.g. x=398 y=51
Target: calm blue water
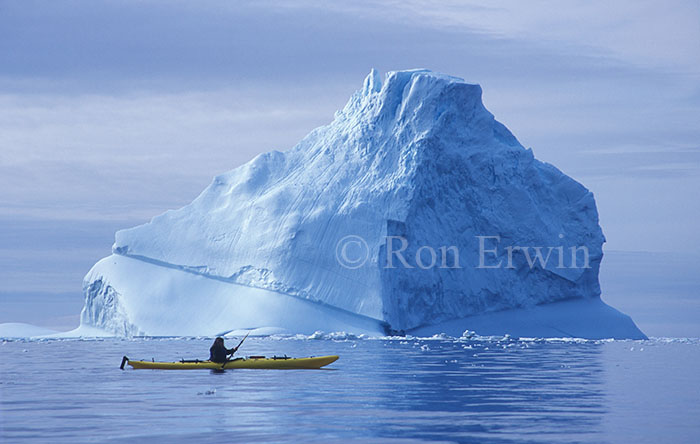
x=407 y=390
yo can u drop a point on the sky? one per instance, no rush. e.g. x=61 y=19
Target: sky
x=112 y=112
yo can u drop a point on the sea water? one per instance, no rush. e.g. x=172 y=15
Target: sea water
x=481 y=390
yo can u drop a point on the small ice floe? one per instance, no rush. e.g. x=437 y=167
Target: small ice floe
x=335 y=336
x=468 y=334
x=440 y=336
x=318 y=334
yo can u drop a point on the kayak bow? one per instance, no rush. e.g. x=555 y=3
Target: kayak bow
x=254 y=362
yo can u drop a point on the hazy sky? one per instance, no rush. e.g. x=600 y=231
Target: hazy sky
x=112 y=112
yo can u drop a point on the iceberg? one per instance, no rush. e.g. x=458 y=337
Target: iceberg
x=22 y=330
x=414 y=209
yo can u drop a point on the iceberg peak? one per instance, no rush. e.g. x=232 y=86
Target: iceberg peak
x=418 y=101
x=373 y=83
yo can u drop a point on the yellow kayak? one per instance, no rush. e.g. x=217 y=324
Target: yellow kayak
x=258 y=362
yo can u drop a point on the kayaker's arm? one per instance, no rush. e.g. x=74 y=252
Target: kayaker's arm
x=235 y=349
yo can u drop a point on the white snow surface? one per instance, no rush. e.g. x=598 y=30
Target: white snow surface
x=16 y=330
x=416 y=156
x=82 y=332
x=22 y=330
x=574 y=318
x=130 y=297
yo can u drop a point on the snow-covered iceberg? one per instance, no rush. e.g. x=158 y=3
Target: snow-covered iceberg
x=22 y=330
x=336 y=233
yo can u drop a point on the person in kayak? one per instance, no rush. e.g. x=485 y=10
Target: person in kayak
x=218 y=352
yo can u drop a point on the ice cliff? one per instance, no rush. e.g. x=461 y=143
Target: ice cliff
x=415 y=159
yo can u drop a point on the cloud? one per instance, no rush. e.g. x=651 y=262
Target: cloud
x=100 y=156
x=652 y=33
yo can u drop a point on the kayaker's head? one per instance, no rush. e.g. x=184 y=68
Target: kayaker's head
x=219 y=340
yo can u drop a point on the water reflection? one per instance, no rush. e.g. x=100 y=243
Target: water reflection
x=409 y=390
x=492 y=392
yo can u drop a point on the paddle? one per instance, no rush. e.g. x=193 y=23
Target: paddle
x=235 y=349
